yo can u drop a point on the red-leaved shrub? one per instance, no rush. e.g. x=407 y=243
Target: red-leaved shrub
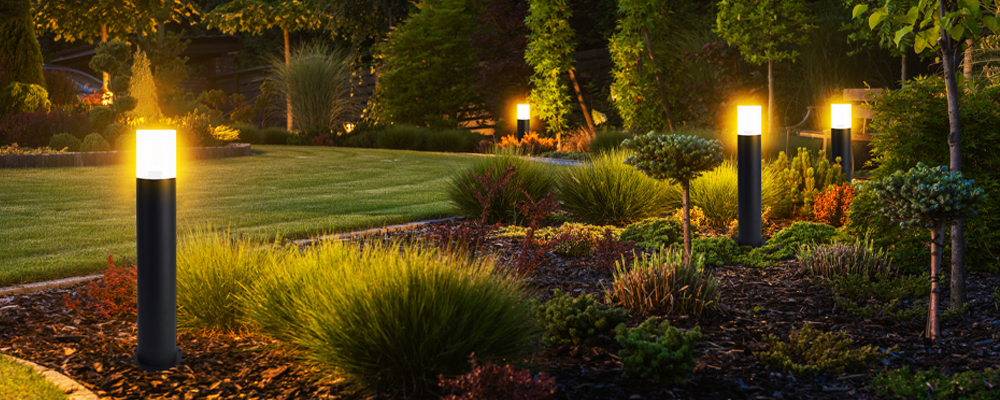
x=59 y=85
x=532 y=252
x=830 y=206
x=491 y=382
x=113 y=296
x=34 y=129
x=609 y=250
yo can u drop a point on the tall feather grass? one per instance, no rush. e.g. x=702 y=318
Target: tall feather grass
x=609 y=192
x=533 y=177
x=318 y=83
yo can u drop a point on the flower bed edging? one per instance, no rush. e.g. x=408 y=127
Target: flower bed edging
x=92 y=159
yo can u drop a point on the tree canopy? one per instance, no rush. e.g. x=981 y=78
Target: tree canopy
x=73 y=20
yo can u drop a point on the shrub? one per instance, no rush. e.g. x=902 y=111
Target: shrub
x=194 y=129
x=608 y=141
x=906 y=247
x=658 y=352
x=843 y=259
x=60 y=87
x=531 y=143
x=576 y=240
x=787 y=241
x=35 y=128
x=718 y=251
x=214 y=271
x=654 y=233
x=317 y=82
x=609 y=192
x=608 y=250
x=894 y=297
x=24 y=98
x=398 y=315
x=932 y=385
x=526 y=178
x=830 y=206
x=224 y=134
x=661 y=283
x=100 y=117
x=125 y=142
x=579 y=320
x=809 y=352
x=114 y=131
x=531 y=253
x=113 y=296
x=452 y=140
x=274 y=136
x=94 y=142
x=247 y=133
x=490 y=382
x=801 y=179
x=401 y=137
x=15 y=149
x=64 y=141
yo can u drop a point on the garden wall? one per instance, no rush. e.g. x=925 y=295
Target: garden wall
x=91 y=159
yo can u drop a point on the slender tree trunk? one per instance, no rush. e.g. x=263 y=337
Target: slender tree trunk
x=288 y=97
x=104 y=38
x=948 y=56
x=659 y=79
x=937 y=242
x=686 y=216
x=770 y=98
x=583 y=105
x=967 y=60
x=903 y=75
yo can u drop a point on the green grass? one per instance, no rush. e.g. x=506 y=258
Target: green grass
x=59 y=222
x=18 y=382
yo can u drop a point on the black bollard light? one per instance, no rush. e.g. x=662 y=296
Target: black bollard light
x=840 y=137
x=748 y=130
x=156 y=242
x=523 y=120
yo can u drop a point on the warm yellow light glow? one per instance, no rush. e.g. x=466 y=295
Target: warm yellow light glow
x=348 y=127
x=748 y=122
x=155 y=154
x=523 y=111
x=840 y=116
x=107 y=98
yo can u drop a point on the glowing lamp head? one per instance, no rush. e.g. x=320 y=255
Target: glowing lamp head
x=840 y=116
x=748 y=122
x=155 y=154
x=523 y=112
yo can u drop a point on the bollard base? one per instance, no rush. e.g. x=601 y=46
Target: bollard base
x=178 y=359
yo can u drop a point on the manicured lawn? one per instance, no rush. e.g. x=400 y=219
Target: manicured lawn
x=59 y=222
x=18 y=382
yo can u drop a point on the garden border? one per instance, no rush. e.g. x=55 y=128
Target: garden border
x=91 y=159
x=73 y=389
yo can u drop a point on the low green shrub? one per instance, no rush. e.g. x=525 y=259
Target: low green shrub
x=809 y=352
x=452 y=141
x=112 y=132
x=658 y=351
x=654 y=233
x=609 y=192
x=528 y=178
x=605 y=141
x=882 y=296
x=577 y=320
x=100 y=117
x=843 y=259
x=908 y=248
x=932 y=385
x=397 y=317
x=401 y=137
x=64 y=141
x=660 y=283
x=718 y=251
x=247 y=133
x=786 y=242
x=575 y=240
x=20 y=97
x=274 y=136
x=94 y=142
x=125 y=142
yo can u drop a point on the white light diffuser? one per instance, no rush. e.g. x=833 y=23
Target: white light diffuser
x=748 y=122
x=840 y=116
x=523 y=112
x=155 y=154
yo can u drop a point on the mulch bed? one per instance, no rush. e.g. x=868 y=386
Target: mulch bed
x=756 y=302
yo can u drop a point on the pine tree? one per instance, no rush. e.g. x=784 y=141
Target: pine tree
x=147 y=108
x=20 y=51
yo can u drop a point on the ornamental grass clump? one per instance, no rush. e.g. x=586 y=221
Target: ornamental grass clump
x=809 y=352
x=844 y=259
x=658 y=351
x=577 y=320
x=678 y=159
x=930 y=198
x=496 y=184
x=609 y=192
x=661 y=283
x=393 y=317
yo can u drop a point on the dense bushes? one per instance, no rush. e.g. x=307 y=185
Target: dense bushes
x=499 y=190
x=451 y=140
x=64 y=141
x=809 y=352
x=95 y=142
x=20 y=97
x=34 y=129
x=653 y=233
x=401 y=137
x=577 y=320
x=658 y=351
x=609 y=192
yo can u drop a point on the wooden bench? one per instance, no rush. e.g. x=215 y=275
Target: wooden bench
x=859 y=134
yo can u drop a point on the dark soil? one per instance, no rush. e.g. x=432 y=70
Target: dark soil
x=755 y=302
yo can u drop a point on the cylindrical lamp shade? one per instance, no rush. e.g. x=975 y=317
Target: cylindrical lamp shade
x=748 y=121
x=155 y=154
x=523 y=120
x=840 y=116
x=156 y=250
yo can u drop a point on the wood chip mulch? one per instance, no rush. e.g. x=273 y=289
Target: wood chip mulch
x=756 y=303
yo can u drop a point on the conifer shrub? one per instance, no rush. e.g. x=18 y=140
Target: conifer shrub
x=21 y=53
x=831 y=205
x=800 y=179
x=401 y=137
x=932 y=385
x=577 y=320
x=653 y=233
x=492 y=382
x=496 y=184
x=660 y=283
x=658 y=351
x=20 y=97
x=719 y=251
x=609 y=192
x=809 y=352
x=100 y=117
x=114 y=131
x=901 y=297
x=64 y=141
x=94 y=142
x=787 y=241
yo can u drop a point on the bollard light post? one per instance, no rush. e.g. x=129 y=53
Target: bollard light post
x=523 y=120
x=156 y=247
x=840 y=137
x=748 y=130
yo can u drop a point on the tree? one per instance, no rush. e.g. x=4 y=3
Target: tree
x=257 y=16
x=764 y=30
x=428 y=76
x=22 y=57
x=943 y=25
x=930 y=198
x=885 y=36
x=499 y=41
x=677 y=158
x=143 y=90
x=550 y=53
x=631 y=43
x=112 y=59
